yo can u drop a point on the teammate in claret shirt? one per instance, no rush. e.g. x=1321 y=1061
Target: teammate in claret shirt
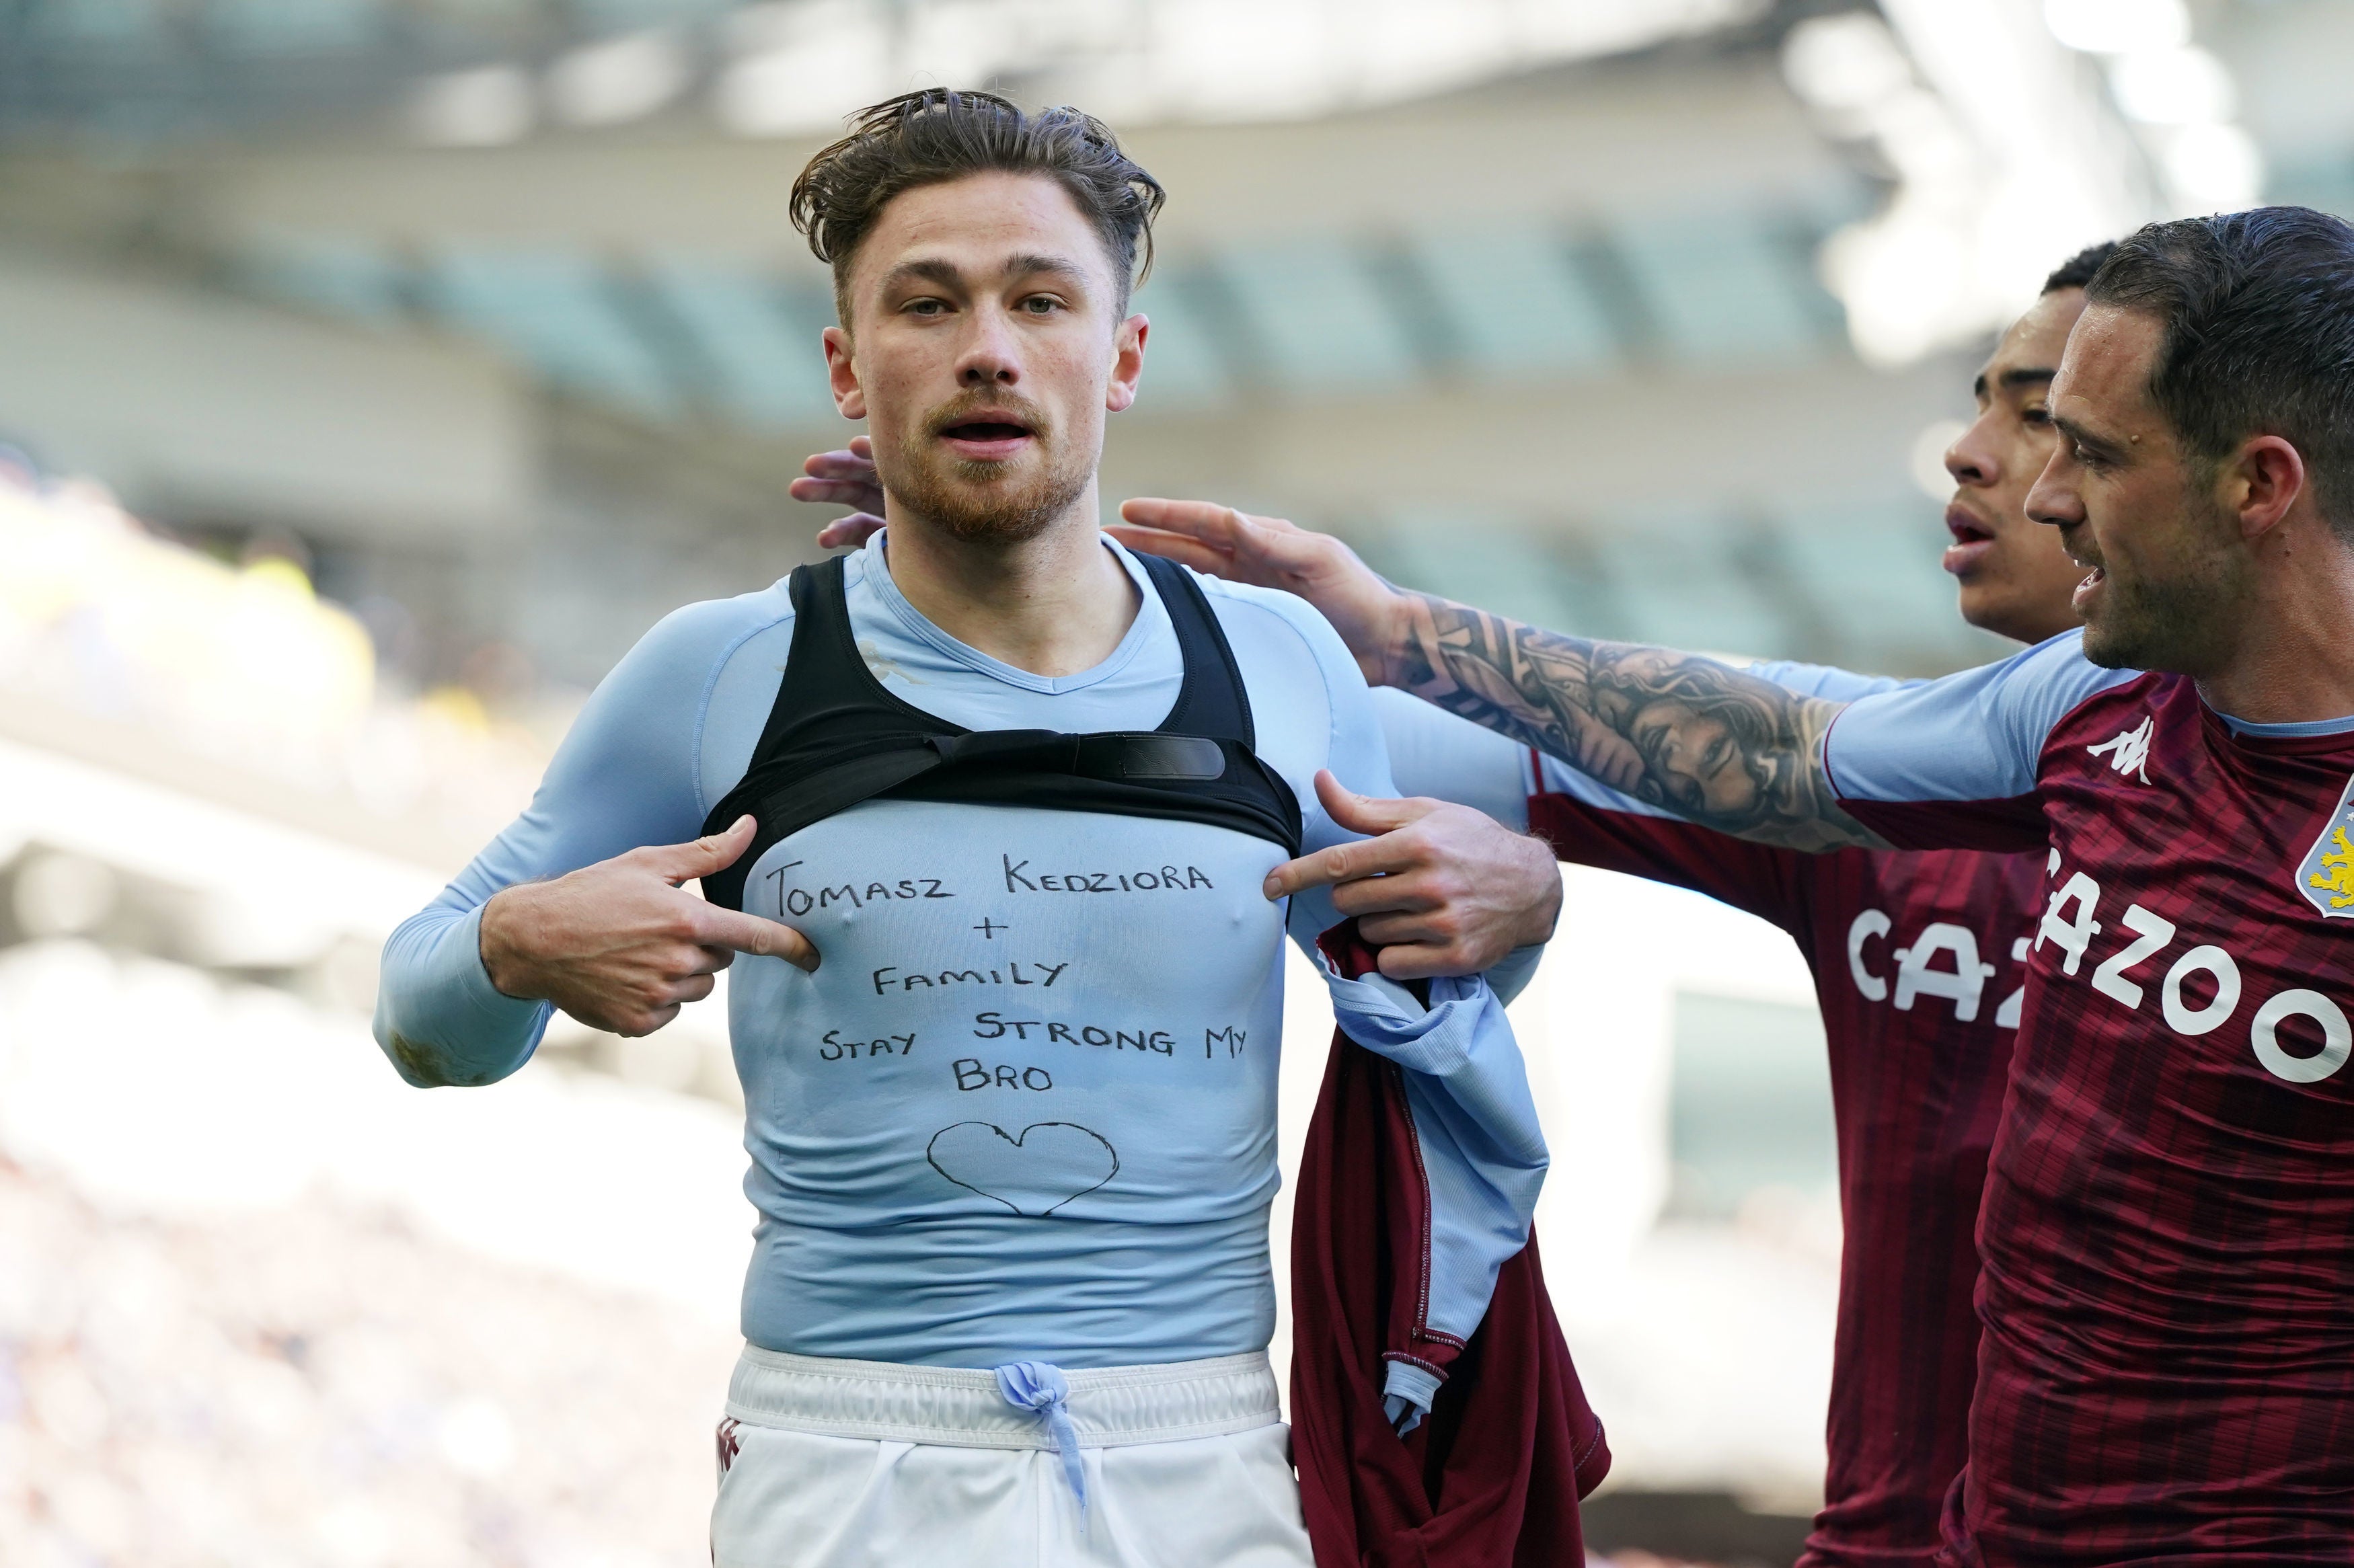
x=990 y=806
x=2167 y=1238
x=1919 y=958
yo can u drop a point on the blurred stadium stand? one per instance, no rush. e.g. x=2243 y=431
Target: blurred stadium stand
x=1317 y=318
x=1421 y=309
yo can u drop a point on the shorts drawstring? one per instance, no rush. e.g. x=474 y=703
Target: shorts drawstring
x=1040 y=1386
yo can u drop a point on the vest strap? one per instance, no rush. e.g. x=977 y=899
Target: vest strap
x=836 y=737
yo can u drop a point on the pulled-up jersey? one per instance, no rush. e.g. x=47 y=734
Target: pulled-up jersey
x=2168 y=1234
x=1918 y=962
x=1025 y=1106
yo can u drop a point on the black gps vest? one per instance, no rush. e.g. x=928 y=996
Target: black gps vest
x=836 y=737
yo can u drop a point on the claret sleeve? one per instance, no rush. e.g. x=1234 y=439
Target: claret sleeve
x=1952 y=763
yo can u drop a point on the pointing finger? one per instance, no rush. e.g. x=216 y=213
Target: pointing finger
x=1298 y=876
x=1325 y=868
x=751 y=934
x=1360 y=873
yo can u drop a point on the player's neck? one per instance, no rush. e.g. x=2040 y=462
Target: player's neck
x=2294 y=662
x=1054 y=605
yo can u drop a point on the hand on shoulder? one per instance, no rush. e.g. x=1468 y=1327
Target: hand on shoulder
x=1267 y=552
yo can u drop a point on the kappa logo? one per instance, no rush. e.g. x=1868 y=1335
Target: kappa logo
x=2325 y=874
x=2128 y=749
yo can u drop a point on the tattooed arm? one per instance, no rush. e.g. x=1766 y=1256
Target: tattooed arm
x=1687 y=734
x=1681 y=732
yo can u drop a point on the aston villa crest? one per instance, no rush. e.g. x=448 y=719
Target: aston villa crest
x=2327 y=875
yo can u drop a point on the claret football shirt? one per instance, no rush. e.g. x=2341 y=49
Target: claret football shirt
x=2168 y=1234
x=1919 y=968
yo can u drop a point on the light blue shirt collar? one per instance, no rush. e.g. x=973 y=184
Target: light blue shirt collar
x=1152 y=619
x=2294 y=731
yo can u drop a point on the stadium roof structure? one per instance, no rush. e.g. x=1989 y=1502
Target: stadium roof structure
x=490 y=71
x=1691 y=278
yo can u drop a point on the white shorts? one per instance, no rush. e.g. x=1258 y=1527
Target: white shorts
x=839 y=1464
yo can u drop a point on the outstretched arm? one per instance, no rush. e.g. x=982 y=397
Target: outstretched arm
x=1680 y=731
x=1677 y=730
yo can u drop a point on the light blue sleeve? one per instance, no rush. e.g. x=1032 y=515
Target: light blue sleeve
x=1824 y=680
x=1355 y=753
x=623 y=779
x=1466 y=1087
x=1976 y=735
x=1433 y=753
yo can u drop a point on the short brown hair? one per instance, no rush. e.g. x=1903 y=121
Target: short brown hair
x=2077 y=270
x=2256 y=311
x=938 y=134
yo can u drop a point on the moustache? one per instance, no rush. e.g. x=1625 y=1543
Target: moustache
x=1003 y=408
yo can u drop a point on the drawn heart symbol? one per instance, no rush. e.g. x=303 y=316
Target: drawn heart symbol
x=1048 y=1165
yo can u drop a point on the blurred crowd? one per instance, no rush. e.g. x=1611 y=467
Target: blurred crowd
x=262 y=1305
x=331 y=1390
x=238 y=662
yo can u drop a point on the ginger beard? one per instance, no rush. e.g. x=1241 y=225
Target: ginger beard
x=985 y=503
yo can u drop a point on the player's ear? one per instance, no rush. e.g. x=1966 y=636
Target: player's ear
x=2263 y=483
x=1127 y=362
x=842 y=372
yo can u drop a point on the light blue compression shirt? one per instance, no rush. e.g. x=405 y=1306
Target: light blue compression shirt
x=1025 y=1107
